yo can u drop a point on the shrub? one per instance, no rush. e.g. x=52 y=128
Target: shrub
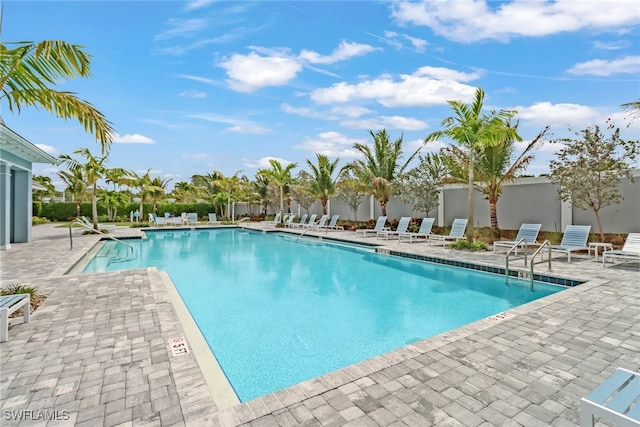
x=36 y=209
x=465 y=245
x=35 y=297
x=37 y=221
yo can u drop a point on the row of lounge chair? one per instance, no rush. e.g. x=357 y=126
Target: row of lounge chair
x=574 y=238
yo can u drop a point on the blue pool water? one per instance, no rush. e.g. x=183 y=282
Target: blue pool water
x=276 y=311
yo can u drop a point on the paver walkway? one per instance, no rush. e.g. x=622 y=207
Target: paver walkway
x=96 y=353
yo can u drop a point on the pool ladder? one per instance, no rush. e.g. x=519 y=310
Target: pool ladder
x=544 y=244
x=85 y=225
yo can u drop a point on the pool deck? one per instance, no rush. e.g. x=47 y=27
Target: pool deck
x=97 y=353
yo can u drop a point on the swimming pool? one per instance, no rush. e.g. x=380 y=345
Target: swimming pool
x=276 y=311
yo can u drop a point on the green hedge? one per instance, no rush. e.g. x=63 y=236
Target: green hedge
x=64 y=211
x=36 y=209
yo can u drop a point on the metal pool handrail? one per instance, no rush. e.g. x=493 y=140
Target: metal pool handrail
x=82 y=224
x=506 y=261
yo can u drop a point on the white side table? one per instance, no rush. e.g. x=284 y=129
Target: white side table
x=596 y=245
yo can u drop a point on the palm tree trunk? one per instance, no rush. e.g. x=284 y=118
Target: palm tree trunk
x=470 y=205
x=383 y=207
x=281 y=201
x=94 y=207
x=493 y=213
x=78 y=209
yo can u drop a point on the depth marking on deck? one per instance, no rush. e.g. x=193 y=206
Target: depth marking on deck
x=500 y=316
x=178 y=346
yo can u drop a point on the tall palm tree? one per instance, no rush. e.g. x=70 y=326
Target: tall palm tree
x=92 y=170
x=29 y=71
x=185 y=192
x=261 y=191
x=472 y=130
x=156 y=191
x=117 y=176
x=232 y=187
x=280 y=176
x=493 y=169
x=323 y=181
x=75 y=185
x=145 y=185
x=380 y=167
x=632 y=107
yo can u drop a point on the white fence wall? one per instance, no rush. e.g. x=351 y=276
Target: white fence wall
x=527 y=200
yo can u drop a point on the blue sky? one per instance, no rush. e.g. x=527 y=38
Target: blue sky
x=197 y=86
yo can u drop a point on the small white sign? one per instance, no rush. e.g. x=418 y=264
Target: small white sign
x=178 y=346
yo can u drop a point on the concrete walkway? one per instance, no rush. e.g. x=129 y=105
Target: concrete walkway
x=96 y=353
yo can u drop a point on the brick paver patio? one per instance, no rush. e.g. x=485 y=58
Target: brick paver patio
x=96 y=353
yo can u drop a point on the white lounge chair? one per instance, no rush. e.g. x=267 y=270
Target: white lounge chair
x=10 y=304
x=333 y=224
x=403 y=224
x=456 y=233
x=213 y=219
x=289 y=220
x=322 y=222
x=380 y=226
x=630 y=250
x=311 y=223
x=528 y=232
x=303 y=220
x=192 y=218
x=617 y=400
x=574 y=239
x=425 y=230
x=276 y=219
x=160 y=220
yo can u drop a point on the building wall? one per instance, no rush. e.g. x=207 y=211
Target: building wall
x=15 y=199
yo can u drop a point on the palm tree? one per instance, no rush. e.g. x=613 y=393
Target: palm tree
x=75 y=185
x=493 y=169
x=473 y=130
x=92 y=170
x=28 y=72
x=185 y=192
x=117 y=176
x=111 y=200
x=146 y=186
x=280 y=176
x=260 y=189
x=156 y=191
x=632 y=107
x=323 y=182
x=380 y=167
x=232 y=186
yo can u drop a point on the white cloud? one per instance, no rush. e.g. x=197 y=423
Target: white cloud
x=426 y=86
x=306 y=112
x=134 y=138
x=193 y=94
x=614 y=45
x=345 y=50
x=352 y=111
x=263 y=163
x=473 y=20
x=47 y=149
x=198 y=4
x=248 y=73
x=563 y=114
x=181 y=27
x=237 y=125
x=331 y=144
x=387 y=122
x=199 y=79
x=601 y=67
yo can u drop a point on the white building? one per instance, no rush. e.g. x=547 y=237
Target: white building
x=17 y=155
